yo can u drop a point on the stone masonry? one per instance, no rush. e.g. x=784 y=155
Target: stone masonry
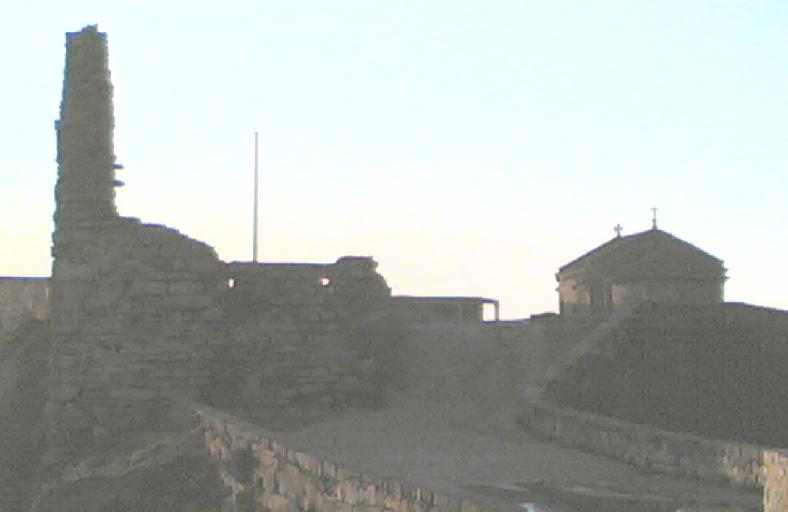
x=22 y=299
x=303 y=338
x=86 y=179
x=262 y=474
x=144 y=319
x=143 y=316
x=133 y=305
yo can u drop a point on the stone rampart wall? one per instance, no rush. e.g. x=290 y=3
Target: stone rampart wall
x=347 y=289
x=648 y=447
x=144 y=316
x=22 y=299
x=135 y=318
x=135 y=310
x=302 y=338
x=438 y=309
x=263 y=474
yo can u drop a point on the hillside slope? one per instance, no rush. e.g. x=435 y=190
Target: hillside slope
x=718 y=372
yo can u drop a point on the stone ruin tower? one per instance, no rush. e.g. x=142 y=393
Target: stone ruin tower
x=85 y=190
x=144 y=318
x=134 y=306
x=85 y=153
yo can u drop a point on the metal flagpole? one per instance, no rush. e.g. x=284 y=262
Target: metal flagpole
x=256 y=185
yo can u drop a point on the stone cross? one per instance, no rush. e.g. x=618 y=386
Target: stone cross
x=618 y=229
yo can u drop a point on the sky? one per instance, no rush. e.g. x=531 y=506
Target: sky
x=470 y=147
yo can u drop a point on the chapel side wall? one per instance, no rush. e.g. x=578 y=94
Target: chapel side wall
x=690 y=292
x=22 y=299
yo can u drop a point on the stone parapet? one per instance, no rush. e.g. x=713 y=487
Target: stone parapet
x=644 y=446
x=659 y=450
x=263 y=474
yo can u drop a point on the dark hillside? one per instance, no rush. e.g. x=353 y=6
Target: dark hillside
x=719 y=372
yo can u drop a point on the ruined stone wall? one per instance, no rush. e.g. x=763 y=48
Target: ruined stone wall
x=86 y=182
x=136 y=314
x=147 y=316
x=22 y=299
x=302 y=292
x=645 y=446
x=144 y=316
x=438 y=309
x=263 y=474
x=680 y=291
x=668 y=452
x=303 y=338
x=134 y=307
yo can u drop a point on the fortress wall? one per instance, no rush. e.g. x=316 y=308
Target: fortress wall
x=301 y=338
x=143 y=316
x=135 y=316
x=21 y=299
x=263 y=474
x=647 y=447
x=439 y=309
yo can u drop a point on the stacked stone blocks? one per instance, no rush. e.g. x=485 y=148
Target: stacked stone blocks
x=262 y=474
x=143 y=316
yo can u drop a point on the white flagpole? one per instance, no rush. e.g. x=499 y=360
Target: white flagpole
x=256 y=206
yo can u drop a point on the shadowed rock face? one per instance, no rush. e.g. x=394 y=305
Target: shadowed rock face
x=715 y=371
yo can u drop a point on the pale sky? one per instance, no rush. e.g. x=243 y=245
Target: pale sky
x=470 y=147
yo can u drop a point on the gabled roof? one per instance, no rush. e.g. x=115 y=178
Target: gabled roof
x=653 y=252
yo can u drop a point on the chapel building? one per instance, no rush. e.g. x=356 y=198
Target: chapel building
x=650 y=266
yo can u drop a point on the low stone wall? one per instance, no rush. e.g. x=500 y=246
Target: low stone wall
x=647 y=447
x=439 y=309
x=775 y=493
x=667 y=452
x=262 y=474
